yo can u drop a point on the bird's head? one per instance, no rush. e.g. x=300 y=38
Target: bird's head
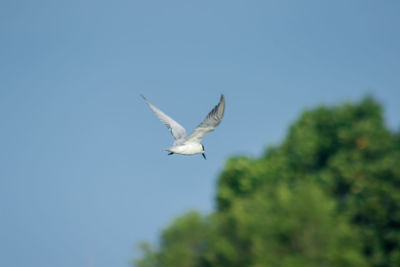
x=202 y=152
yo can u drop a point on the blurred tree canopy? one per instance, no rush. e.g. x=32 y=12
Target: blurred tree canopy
x=329 y=195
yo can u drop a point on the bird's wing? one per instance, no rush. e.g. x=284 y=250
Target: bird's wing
x=177 y=130
x=211 y=122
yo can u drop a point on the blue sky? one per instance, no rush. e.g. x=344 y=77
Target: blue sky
x=83 y=177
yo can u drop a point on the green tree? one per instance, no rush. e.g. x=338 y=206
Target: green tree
x=184 y=243
x=327 y=196
x=285 y=224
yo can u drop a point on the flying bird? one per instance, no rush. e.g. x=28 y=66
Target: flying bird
x=190 y=145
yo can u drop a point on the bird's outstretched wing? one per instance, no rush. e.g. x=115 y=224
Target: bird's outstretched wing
x=209 y=124
x=177 y=130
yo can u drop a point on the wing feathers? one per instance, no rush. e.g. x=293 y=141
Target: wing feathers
x=177 y=130
x=211 y=122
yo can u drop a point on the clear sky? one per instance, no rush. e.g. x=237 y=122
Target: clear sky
x=83 y=177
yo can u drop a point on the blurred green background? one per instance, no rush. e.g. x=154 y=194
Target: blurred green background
x=328 y=195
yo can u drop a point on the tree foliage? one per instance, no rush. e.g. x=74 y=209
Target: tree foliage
x=327 y=196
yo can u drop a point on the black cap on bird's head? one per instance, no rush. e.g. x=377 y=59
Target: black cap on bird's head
x=202 y=153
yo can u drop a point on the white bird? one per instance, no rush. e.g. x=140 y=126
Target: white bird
x=190 y=145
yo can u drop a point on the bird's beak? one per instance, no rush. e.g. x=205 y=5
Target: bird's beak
x=204 y=155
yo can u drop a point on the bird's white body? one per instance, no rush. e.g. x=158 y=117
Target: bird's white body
x=189 y=148
x=190 y=145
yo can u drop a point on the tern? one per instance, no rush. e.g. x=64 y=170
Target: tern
x=190 y=145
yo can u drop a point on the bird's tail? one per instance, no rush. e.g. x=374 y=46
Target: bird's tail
x=169 y=150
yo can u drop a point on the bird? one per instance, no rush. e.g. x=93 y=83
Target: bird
x=190 y=145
